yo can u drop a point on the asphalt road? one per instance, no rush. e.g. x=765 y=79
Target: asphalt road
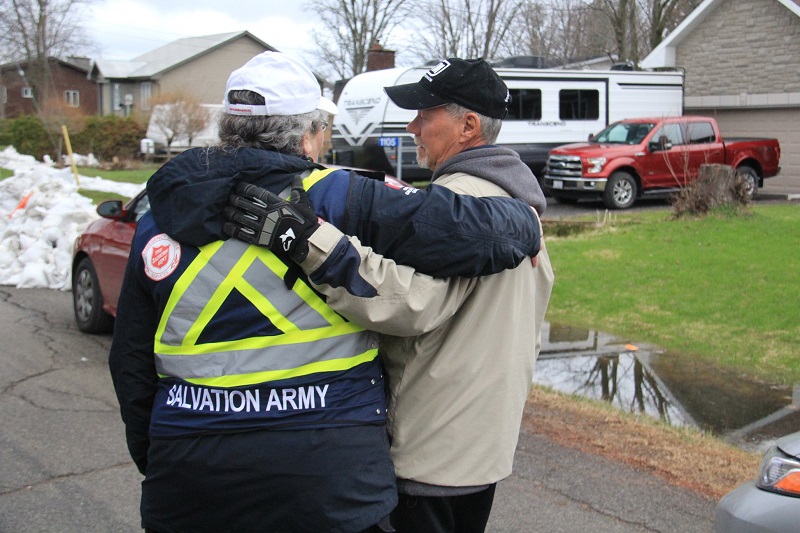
x=64 y=466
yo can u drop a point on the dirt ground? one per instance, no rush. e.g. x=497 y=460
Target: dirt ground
x=682 y=457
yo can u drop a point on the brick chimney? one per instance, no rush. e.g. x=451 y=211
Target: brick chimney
x=379 y=58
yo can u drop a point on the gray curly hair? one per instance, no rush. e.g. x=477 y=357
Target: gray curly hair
x=282 y=133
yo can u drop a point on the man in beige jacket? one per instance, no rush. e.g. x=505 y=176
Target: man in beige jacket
x=459 y=353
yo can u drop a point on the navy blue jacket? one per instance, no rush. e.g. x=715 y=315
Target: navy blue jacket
x=435 y=231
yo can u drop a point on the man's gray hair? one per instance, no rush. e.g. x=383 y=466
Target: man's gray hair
x=282 y=133
x=490 y=127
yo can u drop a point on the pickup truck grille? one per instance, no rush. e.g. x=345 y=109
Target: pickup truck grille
x=563 y=166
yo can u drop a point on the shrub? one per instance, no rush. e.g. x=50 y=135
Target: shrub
x=109 y=137
x=29 y=136
x=717 y=188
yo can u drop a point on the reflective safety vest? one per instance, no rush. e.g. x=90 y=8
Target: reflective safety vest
x=293 y=361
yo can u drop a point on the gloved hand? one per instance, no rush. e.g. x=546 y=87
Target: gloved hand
x=258 y=216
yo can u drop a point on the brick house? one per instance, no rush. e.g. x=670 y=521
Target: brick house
x=68 y=87
x=742 y=65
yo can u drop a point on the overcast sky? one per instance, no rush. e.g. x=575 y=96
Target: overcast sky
x=124 y=29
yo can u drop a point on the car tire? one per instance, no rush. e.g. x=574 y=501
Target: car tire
x=620 y=191
x=750 y=177
x=87 y=301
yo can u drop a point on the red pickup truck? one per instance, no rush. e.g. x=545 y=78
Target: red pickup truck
x=648 y=157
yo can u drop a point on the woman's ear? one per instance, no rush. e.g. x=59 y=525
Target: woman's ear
x=308 y=148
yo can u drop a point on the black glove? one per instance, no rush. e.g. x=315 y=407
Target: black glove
x=258 y=216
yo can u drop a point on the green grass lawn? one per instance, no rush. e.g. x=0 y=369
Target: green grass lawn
x=723 y=288
x=138 y=175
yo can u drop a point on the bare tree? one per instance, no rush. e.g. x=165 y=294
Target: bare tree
x=662 y=16
x=197 y=119
x=466 y=28
x=351 y=27
x=529 y=34
x=638 y=26
x=178 y=115
x=623 y=20
x=32 y=31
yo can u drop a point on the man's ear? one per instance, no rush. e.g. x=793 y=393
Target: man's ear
x=472 y=126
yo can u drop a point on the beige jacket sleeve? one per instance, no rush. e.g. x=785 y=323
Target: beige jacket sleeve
x=407 y=303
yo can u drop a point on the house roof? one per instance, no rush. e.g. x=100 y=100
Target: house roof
x=663 y=55
x=78 y=63
x=169 y=56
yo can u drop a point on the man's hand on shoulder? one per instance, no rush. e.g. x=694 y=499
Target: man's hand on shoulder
x=257 y=216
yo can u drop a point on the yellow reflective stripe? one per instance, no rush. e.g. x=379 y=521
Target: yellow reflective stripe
x=183 y=283
x=316 y=303
x=311 y=298
x=315 y=176
x=255 y=343
x=265 y=307
x=220 y=294
x=332 y=365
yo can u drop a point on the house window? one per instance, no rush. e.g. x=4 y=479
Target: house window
x=526 y=104
x=578 y=104
x=4 y=94
x=145 y=92
x=116 y=99
x=72 y=98
x=27 y=92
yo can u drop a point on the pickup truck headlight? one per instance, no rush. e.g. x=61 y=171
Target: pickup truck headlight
x=595 y=164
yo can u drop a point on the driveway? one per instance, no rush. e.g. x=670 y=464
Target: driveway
x=64 y=466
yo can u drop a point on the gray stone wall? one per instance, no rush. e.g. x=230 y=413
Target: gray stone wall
x=743 y=46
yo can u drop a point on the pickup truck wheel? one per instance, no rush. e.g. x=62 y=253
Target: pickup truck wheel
x=87 y=301
x=620 y=191
x=750 y=176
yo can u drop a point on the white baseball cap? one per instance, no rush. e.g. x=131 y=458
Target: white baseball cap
x=288 y=87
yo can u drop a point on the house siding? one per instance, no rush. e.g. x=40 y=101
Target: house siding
x=743 y=47
x=783 y=124
x=742 y=66
x=206 y=76
x=62 y=78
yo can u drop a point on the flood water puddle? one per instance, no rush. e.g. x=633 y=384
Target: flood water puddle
x=677 y=388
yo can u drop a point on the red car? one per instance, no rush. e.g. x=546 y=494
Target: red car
x=98 y=262
x=100 y=255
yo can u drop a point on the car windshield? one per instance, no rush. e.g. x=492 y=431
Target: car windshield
x=624 y=133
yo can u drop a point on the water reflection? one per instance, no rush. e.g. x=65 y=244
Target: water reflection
x=677 y=388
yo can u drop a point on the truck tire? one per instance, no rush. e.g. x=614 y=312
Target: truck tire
x=620 y=191
x=750 y=176
x=87 y=301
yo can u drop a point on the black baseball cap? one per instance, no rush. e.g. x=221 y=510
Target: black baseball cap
x=470 y=83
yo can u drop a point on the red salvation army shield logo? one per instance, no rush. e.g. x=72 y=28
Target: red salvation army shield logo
x=161 y=257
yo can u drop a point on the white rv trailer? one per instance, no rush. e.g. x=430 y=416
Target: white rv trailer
x=548 y=108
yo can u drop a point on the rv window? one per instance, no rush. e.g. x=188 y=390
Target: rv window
x=579 y=104
x=526 y=104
